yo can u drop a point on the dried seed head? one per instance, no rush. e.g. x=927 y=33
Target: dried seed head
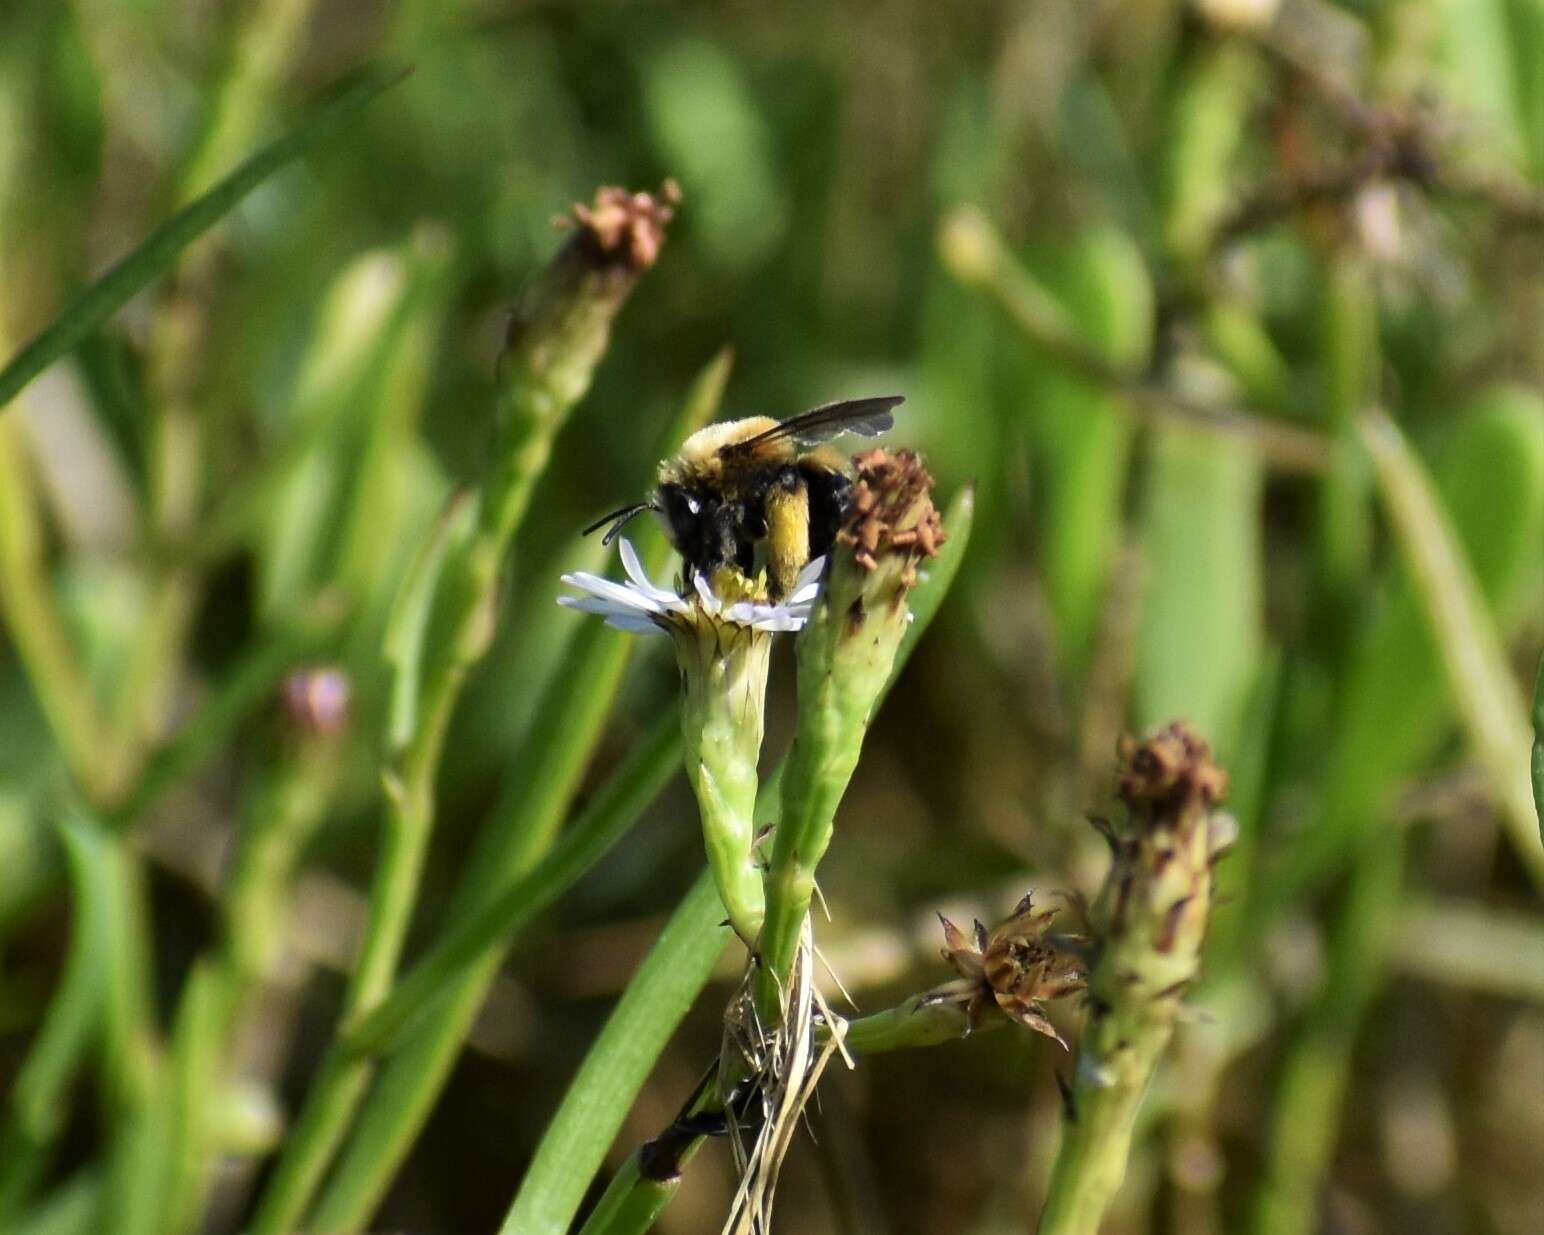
x=891 y=513
x=627 y=227
x=1170 y=771
x=562 y=320
x=1014 y=968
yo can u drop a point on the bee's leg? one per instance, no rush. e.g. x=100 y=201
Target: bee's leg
x=788 y=530
x=830 y=493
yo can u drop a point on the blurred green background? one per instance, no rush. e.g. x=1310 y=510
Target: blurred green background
x=1145 y=272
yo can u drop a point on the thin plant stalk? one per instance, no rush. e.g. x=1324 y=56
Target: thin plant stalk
x=1473 y=656
x=1149 y=920
x=1315 y=1074
x=522 y=827
x=560 y=334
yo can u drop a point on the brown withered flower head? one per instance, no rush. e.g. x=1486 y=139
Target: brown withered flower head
x=1013 y=969
x=1170 y=771
x=892 y=512
x=624 y=226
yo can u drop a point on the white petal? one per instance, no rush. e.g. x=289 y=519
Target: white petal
x=634 y=625
x=639 y=576
x=710 y=600
x=618 y=592
x=600 y=607
x=810 y=575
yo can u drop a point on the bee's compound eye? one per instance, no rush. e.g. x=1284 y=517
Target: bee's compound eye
x=693 y=506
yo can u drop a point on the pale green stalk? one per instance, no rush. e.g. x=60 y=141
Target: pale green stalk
x=1473 y=656
x=1316 y=1072
x=38 y=1097
x=1538 y=748
x=561 y=331
x=523 y=825
x=845 y=654
x=279 y=818
x=634 y=1196
x=38 y=629
x=1149 y=923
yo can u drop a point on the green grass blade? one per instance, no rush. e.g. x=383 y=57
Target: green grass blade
x=659 y=996
x=522 y=827
x=1538 y=748
x=38 y=1102
x=94 y=304
x=1472 y=653
x=650 y=766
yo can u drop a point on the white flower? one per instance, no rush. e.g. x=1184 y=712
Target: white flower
x=642 y=607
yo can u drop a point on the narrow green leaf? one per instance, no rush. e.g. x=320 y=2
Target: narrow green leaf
x=1472 y=653
x=658 y=997
x=94 y=304
x=648 y=768
x=1201 y=623
x=1538 y=748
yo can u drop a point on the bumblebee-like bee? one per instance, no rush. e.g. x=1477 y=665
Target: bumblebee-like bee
x=758 y=482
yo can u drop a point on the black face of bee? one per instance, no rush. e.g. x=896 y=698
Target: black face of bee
x=710 y=532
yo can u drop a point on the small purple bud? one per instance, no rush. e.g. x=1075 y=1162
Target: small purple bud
x=316 y=700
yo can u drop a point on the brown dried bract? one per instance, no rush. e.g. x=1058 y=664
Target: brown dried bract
x=627 y=227
x=1014 y=968
x=891 y=511
x=1169 y=771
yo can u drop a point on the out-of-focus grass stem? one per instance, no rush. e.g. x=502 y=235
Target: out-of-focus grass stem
x=561 y=330
x=975 y=254
x=1472 y=655
x=521 y=829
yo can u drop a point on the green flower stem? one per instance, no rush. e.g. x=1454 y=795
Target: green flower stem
x=656 y=1000
x=562 y=328
x=38 y=629
x=846 y=654
x=470 y=941
x=1538 y=748
x=523 y=825
x=632 y=1201
x=1150 y=920
x=724 y=683
x=1316 y=1073
x=38 y=1097
x=133 y=1062
x=281 y=816
x=164 y=246
x=843 y=669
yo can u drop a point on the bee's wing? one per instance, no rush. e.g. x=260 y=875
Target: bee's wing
x=865 y=417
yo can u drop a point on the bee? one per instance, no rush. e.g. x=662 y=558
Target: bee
x=758 y=482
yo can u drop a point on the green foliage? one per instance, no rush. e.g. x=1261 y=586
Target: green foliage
x=1224 y=344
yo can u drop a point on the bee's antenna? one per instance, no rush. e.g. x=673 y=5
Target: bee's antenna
x=618 y=519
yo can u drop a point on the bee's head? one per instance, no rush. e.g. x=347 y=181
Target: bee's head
x=685 y=517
